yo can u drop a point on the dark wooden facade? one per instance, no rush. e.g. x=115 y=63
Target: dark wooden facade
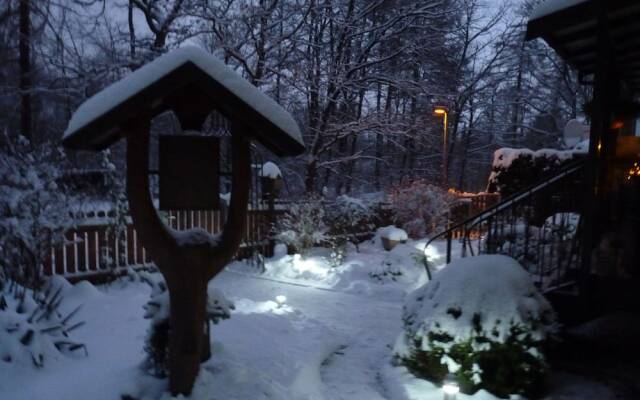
x=601 y=40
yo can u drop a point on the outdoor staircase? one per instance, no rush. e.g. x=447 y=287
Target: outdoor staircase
x=538 y=226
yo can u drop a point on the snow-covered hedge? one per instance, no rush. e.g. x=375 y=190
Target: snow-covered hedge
x=35 y=211
x=348 y=216
x=419 y=207
x=482 y=319
x=516 y=169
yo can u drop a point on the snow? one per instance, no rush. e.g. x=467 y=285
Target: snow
x=194 y=237
x=120 y=91
x=582 y=147
x=393 y=233
x=575 y=131
x=552 y=6
x=270 y=170
x=329 y=341
x=33 y=336
x=502 y=158
x=493 y=287
x=226 y=197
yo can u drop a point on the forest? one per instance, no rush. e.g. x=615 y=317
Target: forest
x=361 y=77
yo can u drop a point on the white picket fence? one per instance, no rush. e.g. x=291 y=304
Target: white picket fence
x=90 y=250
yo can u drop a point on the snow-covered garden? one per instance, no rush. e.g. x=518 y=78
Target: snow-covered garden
x=303 y=200
x=304 y=329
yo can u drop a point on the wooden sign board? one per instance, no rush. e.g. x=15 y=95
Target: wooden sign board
x=189 y=172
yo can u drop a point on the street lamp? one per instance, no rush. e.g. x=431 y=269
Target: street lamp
x=442 y=111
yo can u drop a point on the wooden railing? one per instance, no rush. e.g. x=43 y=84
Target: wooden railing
x=468 y=206
x=538 y=226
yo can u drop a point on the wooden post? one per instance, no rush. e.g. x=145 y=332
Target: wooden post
x=601 y=146
x=186 y=267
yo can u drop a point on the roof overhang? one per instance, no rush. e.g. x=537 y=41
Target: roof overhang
x=571 y=27
x=104 y=118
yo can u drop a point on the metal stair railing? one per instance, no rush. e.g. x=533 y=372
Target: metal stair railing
x=538 y=226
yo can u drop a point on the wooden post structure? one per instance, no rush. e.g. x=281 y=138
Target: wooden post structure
x=191 y=83
x=187 y=267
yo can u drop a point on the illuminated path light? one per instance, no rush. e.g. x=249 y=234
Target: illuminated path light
x=450 y=387
x=281 y=299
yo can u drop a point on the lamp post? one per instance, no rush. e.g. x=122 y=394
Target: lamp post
x=442 y=111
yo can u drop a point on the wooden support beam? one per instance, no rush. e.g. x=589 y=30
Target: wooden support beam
x=602 y=145
x=186 y=262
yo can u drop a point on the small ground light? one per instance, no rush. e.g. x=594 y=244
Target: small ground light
x=280 y=299
x=450 y=387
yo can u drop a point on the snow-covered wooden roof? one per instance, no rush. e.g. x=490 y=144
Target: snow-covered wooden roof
x=101 y=120
x=572 y=28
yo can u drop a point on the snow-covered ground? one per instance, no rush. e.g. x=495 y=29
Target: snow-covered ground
x=331 y=339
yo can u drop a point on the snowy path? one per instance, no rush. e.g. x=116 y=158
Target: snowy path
x=364 y=326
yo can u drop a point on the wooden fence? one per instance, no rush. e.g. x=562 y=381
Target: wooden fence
x=468 y=206
x=91 y=250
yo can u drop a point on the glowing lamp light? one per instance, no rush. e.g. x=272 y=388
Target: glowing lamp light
x=617 y=125
x=450 y=387
x=281 y=299
x=440 y=111
x=633 y=171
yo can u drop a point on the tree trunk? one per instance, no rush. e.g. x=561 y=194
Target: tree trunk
x=132 y=32
x=310 y=178
x=25 y=69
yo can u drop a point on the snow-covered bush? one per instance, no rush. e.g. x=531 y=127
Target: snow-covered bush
x=117 y=218
x=419 y=207
x=347 y=217
x=303 y=226
x=482 y=319
x=386 y=271
x=516 y=169
x=32 y=328
x=157 y=310
x=35 y=211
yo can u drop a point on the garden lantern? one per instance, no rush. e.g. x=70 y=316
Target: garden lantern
x=270 y=180
x=450 y=387
x=281 y=299
x=192 y=84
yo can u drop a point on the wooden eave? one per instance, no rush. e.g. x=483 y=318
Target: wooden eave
x=573 y=33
